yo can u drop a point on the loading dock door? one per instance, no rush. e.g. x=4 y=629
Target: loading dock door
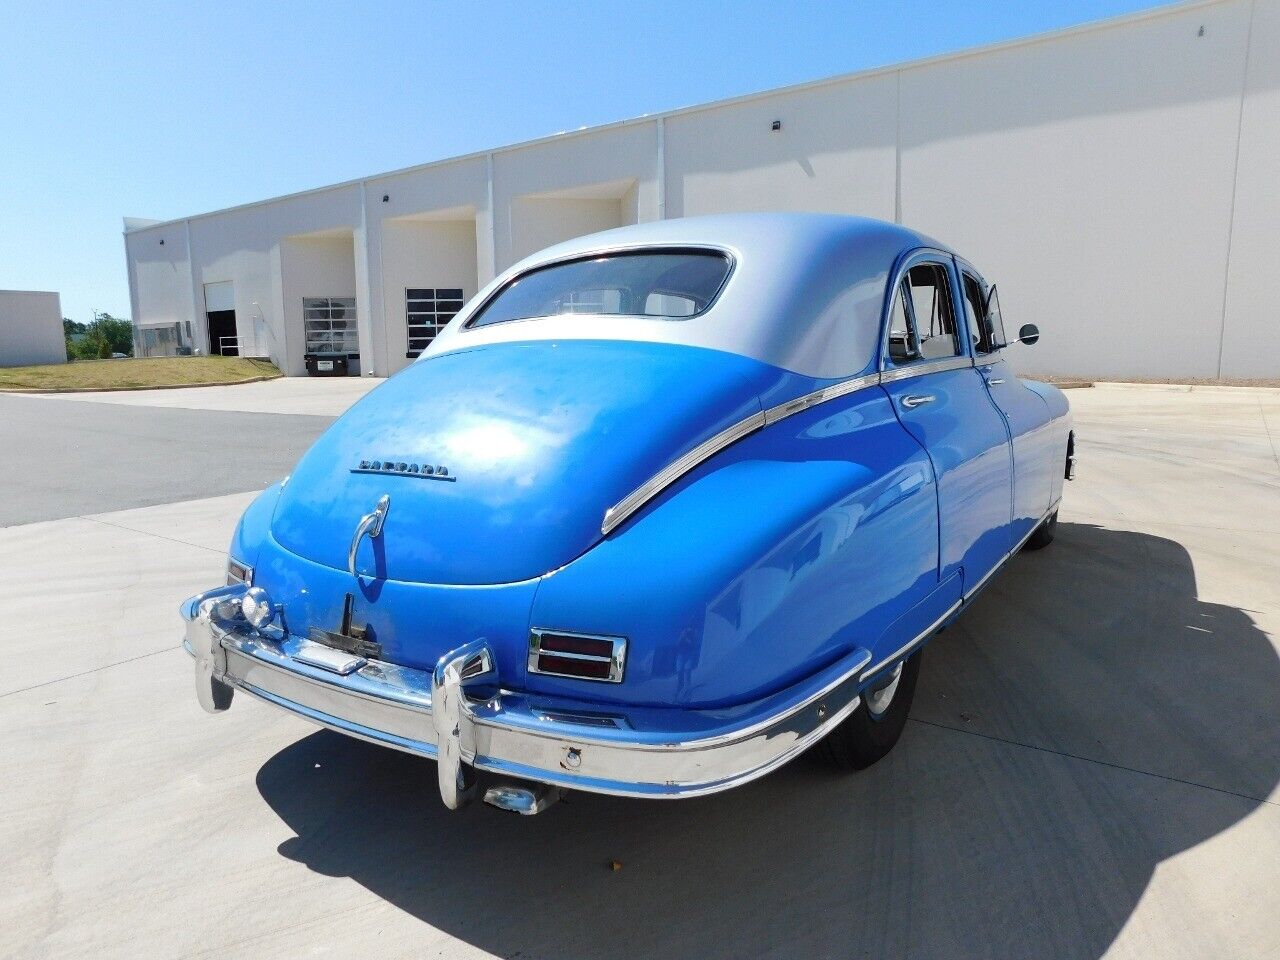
x=222 y=333
x=332 y=344
x=220 y=318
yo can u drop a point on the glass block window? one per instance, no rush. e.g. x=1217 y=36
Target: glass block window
x=330 y=325
x=427 y=310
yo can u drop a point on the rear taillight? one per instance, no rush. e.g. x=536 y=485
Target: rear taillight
x=238 y=572
x=577 y=655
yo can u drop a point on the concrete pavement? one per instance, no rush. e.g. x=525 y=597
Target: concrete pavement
x=315 y=396
x=1093 y=766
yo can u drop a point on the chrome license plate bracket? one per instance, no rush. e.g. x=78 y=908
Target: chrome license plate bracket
x=327 y=658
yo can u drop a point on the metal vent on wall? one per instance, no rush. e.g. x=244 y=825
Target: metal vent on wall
x=577 y=655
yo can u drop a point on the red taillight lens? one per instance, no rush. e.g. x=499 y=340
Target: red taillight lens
x=577 y=655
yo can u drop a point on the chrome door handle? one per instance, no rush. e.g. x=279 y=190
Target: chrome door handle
x=917 y=399
x=995 y=380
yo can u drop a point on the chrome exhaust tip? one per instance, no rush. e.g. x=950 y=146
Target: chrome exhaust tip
x=525 y=800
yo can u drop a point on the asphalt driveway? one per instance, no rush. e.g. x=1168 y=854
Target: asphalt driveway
x=64 y=458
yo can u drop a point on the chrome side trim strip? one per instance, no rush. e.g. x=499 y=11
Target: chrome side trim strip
x=675 y=470
x=841 y=389
x=1012 y=553
x=907 y=647
x=625 y=507
x=918 y=369
x=929 y=631
x=633 y=501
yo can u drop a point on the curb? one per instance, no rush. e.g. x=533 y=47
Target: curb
x=161 y=386
x=1189 y=387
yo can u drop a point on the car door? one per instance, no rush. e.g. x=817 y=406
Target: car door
x=1023 y=410
x=943 y=402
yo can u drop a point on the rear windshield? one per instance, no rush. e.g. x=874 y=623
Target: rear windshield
x=667 y=284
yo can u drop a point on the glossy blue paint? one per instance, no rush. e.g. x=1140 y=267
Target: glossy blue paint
x=254 y=526
x=541 y=437
x=857 y=523
x=1034 y=442
x=416 y=623
x=969 y=445
x=786 y=551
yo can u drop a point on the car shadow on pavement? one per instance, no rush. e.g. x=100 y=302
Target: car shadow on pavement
x=1085 y=720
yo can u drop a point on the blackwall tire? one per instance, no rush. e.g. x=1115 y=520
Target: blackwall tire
x=863 y=737
x=1044 y=533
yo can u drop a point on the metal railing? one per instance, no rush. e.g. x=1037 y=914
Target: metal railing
x=251 y=349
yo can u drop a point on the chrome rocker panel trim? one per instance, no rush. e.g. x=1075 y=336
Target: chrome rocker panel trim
x=459 y=716
x=973 y=591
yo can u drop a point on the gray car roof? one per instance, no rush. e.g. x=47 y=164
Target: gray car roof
x=806 y=291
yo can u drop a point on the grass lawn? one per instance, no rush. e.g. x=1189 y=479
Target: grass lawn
x=135 y=374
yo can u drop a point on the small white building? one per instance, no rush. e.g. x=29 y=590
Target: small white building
x=31 y=328
x=1118 y=180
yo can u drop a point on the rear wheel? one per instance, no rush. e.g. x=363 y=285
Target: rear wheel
x=1044 y=533
x=870 y=732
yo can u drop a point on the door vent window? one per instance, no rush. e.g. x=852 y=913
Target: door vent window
x=427 y=310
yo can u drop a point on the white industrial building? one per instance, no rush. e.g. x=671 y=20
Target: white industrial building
x=31 y=328
x=1120 y=181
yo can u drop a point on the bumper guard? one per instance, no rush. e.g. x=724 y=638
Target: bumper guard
x=459 y=716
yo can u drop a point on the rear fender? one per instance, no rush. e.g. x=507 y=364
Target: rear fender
x=763 y=565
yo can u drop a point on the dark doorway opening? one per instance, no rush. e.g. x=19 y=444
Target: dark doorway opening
x=222 y=333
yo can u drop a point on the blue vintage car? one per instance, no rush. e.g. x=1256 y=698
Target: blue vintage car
x=660 y=509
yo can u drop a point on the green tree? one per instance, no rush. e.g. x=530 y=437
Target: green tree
x=105 y=336
x=117 y=333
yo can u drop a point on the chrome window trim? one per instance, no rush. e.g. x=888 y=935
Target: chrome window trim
x=633 y=501
x=963 y=266
x=914 y=258
x=617 y=659
x=472 y=313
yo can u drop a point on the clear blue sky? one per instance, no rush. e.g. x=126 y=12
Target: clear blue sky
x=167 y=109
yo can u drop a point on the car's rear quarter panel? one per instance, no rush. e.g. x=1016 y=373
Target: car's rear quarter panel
x=768 y=562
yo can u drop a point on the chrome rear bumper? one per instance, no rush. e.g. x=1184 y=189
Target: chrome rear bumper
x=459 y=715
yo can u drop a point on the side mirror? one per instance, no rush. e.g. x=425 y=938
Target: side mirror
x=1029 y=333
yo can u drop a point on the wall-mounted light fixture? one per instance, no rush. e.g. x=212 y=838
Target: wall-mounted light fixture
x=386 y=198
x=162 y=241
x=777 y=125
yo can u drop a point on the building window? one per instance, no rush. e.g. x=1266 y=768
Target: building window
x=427 y=310
x=330 y=325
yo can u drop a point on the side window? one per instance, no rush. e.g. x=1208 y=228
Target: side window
x=902 y=342
x=995 y=322
x=922 y=324
x=974 y=312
